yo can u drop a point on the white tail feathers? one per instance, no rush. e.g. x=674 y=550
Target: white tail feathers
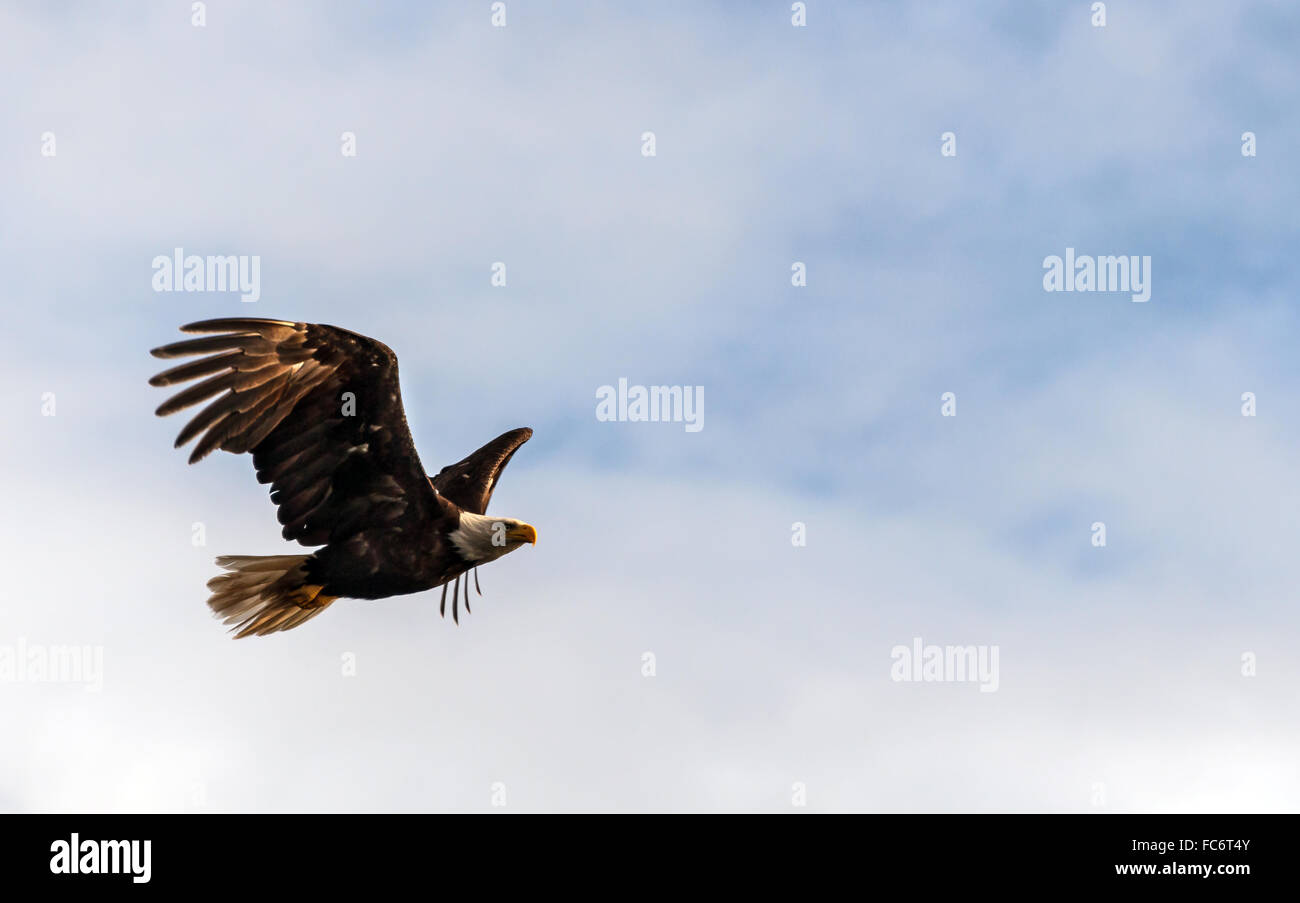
x=264 y=594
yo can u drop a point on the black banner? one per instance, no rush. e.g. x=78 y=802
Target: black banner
x=327 y=852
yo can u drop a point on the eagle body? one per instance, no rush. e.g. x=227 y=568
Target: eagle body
x=320 y=410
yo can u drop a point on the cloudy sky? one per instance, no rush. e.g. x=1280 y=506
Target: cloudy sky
x=1154 y=673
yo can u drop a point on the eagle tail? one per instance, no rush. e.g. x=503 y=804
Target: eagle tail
x=261 y=594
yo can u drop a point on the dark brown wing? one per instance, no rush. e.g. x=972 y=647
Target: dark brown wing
x=469 y=483
x=321 y=411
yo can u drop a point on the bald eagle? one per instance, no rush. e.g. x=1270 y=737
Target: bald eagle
x=320 y=410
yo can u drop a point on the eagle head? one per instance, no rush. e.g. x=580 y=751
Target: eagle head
x=480 y=538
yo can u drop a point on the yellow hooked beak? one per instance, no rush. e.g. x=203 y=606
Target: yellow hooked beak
x=522 y=533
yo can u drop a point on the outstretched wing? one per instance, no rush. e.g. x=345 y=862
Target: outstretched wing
x=320 y=409
x=469 y=483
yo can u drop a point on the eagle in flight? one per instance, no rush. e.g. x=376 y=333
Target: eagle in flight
x=320 y=410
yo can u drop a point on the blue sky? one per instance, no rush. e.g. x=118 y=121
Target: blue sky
x=1121 y=666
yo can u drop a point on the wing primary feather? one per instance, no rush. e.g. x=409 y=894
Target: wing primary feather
x=248 y=342
x=213 y=385
x=253 y=423
x=205 y=418
x=195 y=369
x=252 y=377
x=210 y=442
x=231 y=403
x=240 y=324
x=442 y=606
